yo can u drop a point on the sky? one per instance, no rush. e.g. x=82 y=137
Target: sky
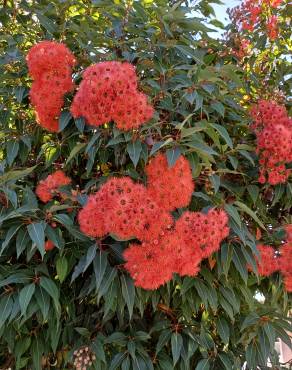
x=221 y=10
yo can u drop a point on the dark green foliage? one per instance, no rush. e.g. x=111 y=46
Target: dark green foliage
x=79 y=294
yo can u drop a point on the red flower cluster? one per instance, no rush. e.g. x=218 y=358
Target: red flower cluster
x=270 y=263
x=50 y=65
x=179 y=250
x=109 y=91
x=125 y=209
x=170 y=187
x=130 y=210
x=49 y=187
x=273 y=128
x=251 y=12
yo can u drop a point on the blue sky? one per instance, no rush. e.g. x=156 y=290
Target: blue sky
x=221 y=10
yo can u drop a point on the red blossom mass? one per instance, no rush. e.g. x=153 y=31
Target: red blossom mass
x=268 y=263
x=109 y=91
x=123 y=208
x=170 y=187
x=50 y=65
x=203 y=233
x=130 y=210
x=252 y=13
x=49 y=187
x=273 y=128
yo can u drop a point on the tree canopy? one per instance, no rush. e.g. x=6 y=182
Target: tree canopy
x=145 y=186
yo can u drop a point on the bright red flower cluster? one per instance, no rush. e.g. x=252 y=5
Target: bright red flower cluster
x=170 y=187
x=251 y=12
x=179 y=250
x=269 y=262
x=49 y=187
x=130 y=210
x=125 y=209
x=273 y=128
x=109 y=91
x=50 y=65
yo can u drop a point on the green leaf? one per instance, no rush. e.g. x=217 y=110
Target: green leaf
x=270 y=332
x=20 y=93
x=163 y=339
x=64 y=119
x=99 y=265
x=9 y=236
x=240 y=263
x=224 y=133
x=36 y=232
x=126 y=364
x=251 y=213
x=12 y=149
x=223 y=329
x=215 y=179
x=250 y=320
x=109 y=276
x=232 y=211
x=22 y=345
x=203 y=365
x=25 y=297
x=37 y=350
x=173 y=155
x=176 y=346
x=160 y=144
x=117 y=360
x=91 y=252
x=16 y=175
x=22 y=240
x=6 y=305
x=253 y=191
x=201 y=147
x=47 y=23
x=128 y=291
x=51 y=288
x=218 y=107
x=134 y=149
x=43 y=301
x=225 y=361
x=62 y=268
x=77 y=149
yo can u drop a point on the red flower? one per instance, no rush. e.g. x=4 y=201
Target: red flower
x=268 y=263
x=272 y=27
x=49 y=245
x=170 y=187
x=108 y=92
x=147 y=265
x=49 y=187
x=273 y=128
x=50 y=65
x=123 y=208
x=203 y=233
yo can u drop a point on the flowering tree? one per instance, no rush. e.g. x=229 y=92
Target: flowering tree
x=144 y=187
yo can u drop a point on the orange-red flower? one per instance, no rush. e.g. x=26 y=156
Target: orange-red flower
x=109 y=91
x=50 y=65
x=170 y=187
x=49 y=187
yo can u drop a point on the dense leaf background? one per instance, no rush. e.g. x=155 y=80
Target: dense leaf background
x=78 y=294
